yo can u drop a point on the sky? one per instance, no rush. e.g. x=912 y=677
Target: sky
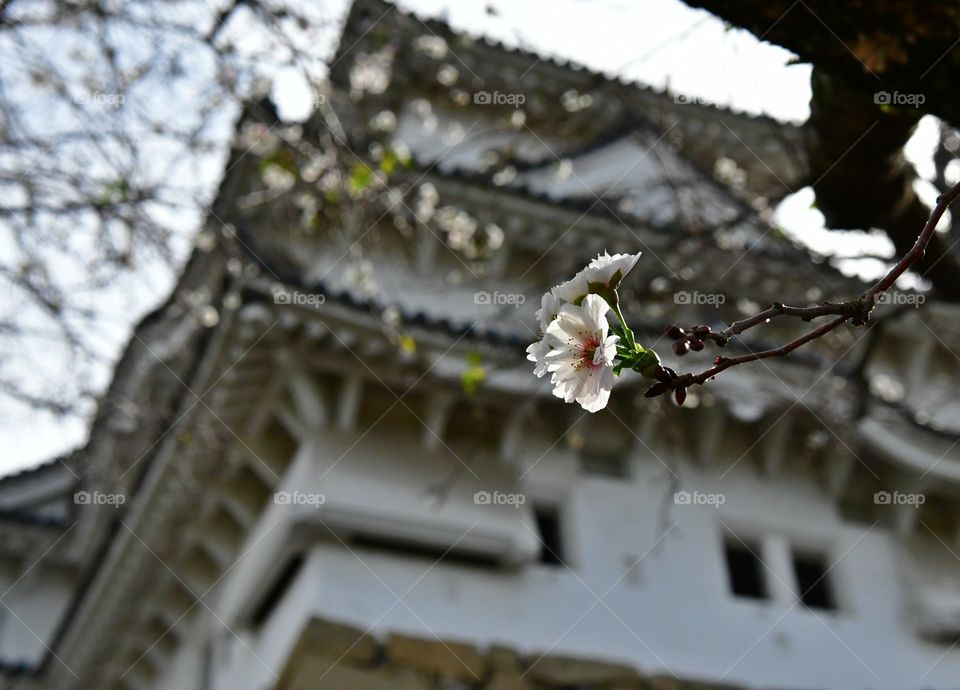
x=662 y=43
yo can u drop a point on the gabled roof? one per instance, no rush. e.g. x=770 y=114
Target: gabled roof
x=39 y=468
x=390 y=15
x=40 y=495
x=770 y=152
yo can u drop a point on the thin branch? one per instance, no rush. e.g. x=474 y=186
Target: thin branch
x=857 y=311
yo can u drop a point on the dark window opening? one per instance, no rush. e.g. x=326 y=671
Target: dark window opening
x=433 y=552
x=278 y=589
x=745 y=571
x=551 y=535
x=812 y=582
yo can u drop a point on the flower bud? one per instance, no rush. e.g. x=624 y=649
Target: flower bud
x=701 y=331
x=680 y=347
x=656 y=389
x=680 y=394
x=675 y=332
x=696 y=344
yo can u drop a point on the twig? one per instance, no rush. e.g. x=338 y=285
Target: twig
x=855 y=310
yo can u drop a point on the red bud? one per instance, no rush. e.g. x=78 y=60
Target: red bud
x=680 y=394
x=655 y=390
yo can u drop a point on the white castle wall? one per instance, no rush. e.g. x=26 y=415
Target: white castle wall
x=664 y=603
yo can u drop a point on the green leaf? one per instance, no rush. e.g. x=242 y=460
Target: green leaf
x=473 y=375
x=282 y=158
x=389 y=162
x=408 y=344
x=115 y=191
x=360 y=178
x=647 y=362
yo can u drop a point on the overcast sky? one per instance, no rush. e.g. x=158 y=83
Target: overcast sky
x=662 y=43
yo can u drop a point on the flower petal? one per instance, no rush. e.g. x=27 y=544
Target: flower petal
x=537 y=353
x=549 y=306
x=605 y=268
x=581 y=353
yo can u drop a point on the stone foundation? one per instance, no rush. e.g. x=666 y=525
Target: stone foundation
x=331 y=656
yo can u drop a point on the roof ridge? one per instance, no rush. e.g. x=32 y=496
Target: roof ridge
x=587 y=206
x=550 y=59
x=41 y=466
x=28 y=518
x=451 y=326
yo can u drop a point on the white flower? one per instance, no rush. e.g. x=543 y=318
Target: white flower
x=610 y=270
x=605 y=270
x=581 y=353
x=537 y=353
x=549 y=306
x=575 y=345
x=573 y=289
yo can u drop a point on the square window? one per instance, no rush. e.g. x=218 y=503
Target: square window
x=745 y=570
x=813 y=583
x=281 y=585
x=550 y=530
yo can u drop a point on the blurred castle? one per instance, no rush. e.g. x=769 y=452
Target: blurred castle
x=325 y=463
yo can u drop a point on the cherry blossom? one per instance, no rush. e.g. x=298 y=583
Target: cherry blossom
x=581 y=353
x=602 y=274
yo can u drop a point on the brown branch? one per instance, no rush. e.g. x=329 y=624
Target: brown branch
x=721 y=363
x=918 y=248
x=855 y=310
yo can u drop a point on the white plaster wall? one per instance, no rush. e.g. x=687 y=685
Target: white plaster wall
x=672 y=611
x=185 y=669
x=32 y=609
x=660 y=578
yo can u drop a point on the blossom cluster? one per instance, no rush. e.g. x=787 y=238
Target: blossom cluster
x=580 y=347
